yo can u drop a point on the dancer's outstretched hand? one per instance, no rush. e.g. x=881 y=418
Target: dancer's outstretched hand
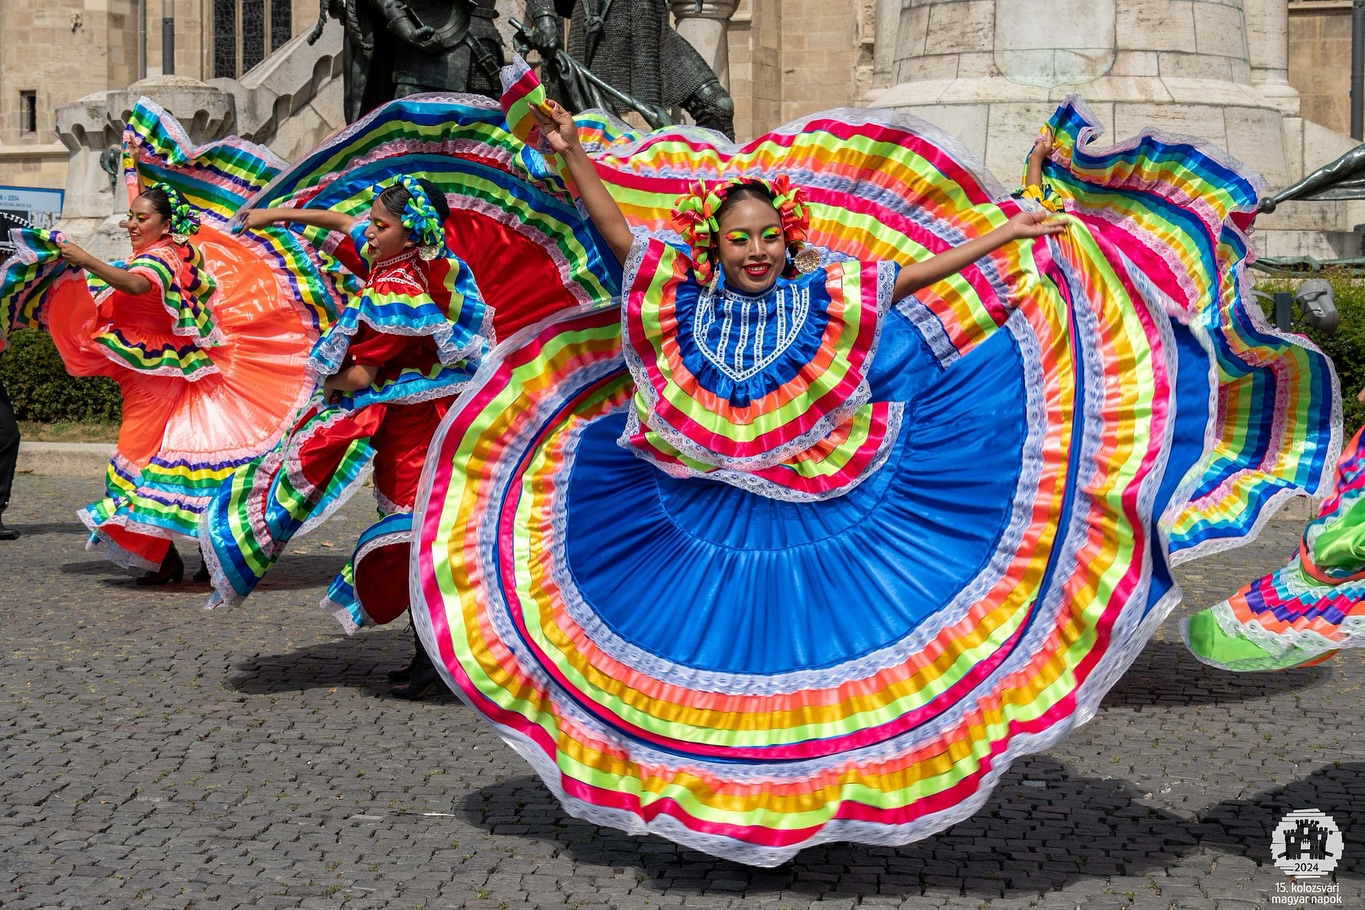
x=1027 y=224
x=75 y=255
x=558 y=128
x=257 y=219
x=1042 y=147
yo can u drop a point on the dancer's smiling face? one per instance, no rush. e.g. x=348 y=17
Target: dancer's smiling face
x=386 y=235
x=145 y=225
x=751 y=248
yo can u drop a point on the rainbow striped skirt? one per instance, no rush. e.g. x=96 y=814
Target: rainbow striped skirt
x=751 y=675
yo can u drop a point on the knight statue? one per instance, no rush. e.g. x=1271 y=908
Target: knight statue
x=629 y=45
x=394 y=48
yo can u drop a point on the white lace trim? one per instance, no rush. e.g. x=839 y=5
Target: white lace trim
x=581 y=295
x=332 y=347
x=1055 y=600
x=930 y=328
x=217 y=577
x=386 y=150
x=851 y=116
x=342 y=612
x=1088 y=699
x=752 y=316
x=99 y=543
x=1213 y=435
x=293 y=465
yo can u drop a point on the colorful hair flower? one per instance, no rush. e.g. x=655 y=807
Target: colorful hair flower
x=790 y=202
x=694 y=216
x=419 y=215
x=184 y=221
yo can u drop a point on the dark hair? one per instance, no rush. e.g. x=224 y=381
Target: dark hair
x=741 y=192
x=161 y=203
x=394 y=198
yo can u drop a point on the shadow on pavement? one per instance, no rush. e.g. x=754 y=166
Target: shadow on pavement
x=359 y=662
x=37 y=529
x=294 y=571
x=98 y=567
x=1245 y=826
x=1041 y=830
x=1166 y=673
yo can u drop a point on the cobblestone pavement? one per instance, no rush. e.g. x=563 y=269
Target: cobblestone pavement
x=157 y=756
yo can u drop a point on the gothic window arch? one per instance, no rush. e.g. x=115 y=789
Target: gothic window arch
x=245 y=32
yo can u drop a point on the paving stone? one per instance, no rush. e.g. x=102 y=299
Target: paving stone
x=160 y=757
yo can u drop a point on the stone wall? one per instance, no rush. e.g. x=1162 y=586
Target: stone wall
x=1320 y=60
x=194 y=35
x=790 y=58
x=60 y=50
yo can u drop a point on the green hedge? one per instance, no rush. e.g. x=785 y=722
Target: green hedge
x=37 y=382
x=1346 y=346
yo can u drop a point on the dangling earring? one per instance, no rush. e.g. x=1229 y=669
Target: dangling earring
x=709 y=292
x=179 y=239
x=428 y=251
x=807 y=260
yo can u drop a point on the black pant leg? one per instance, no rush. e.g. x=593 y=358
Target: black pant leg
x=9 y=447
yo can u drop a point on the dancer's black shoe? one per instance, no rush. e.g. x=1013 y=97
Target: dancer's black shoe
x=403 y=674
x=172 y=569
x=422 y=678
x=203 y=573
x=7 y=533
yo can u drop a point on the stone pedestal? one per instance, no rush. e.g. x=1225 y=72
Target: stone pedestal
x=289 y=103
x=1267 y=23
x=95 y=202
x=704 y=25
x=991 y=71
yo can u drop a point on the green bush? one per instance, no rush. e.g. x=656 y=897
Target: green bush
x=1346 y=346
x=32 y=372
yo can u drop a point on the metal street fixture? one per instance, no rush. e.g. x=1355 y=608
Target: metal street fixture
x=1314 y=299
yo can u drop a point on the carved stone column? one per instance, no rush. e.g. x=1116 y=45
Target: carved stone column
x=704 y=24
x=1268 y=48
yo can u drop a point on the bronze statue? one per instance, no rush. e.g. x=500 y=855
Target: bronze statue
x=629 y=45
x=1343 y=178
x=394 y=48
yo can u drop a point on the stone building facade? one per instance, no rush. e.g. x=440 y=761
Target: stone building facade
x=55 y=52
x=787 y=58
x=794 y=57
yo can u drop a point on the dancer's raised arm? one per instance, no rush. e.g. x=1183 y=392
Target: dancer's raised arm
x=1023 y=225
x=562 y=136
x=326 y=219
x=1042 y=147
x=117 y=278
